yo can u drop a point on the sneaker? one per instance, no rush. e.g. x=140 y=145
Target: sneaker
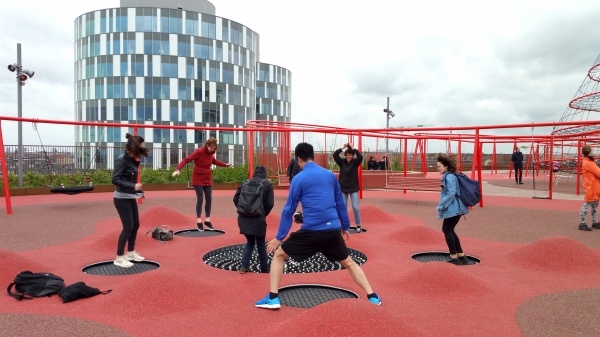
x=200 y=228
x=208 y=225
x=375 y=300
x=134 y=256
x=121 y=261
x=358 y=229
x=268 y=303
x=584 y=227
x=243 y=270
x=455 y=261
x=596 y=225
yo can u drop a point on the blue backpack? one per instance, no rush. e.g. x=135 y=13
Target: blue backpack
x=469 y=189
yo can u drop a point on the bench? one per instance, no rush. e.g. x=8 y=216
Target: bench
x=413 y=183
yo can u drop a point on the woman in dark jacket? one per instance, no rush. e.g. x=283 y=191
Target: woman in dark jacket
x=255 y=229
x=348 y=177
x=127 y=191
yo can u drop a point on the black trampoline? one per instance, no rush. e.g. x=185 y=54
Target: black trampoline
x=107 y=268
x=441 y=257
x=194 y=233
x=311 y=295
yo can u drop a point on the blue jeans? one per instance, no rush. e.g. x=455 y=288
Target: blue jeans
x=262 y=252
x=354 y=199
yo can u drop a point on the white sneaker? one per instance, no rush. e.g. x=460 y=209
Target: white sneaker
x=134 y=256
x=121 y=261
x=358 y=229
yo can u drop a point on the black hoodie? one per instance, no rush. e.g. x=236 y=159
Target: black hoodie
x=257 y=226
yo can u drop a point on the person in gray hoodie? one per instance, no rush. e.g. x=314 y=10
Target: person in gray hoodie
x=255 y=228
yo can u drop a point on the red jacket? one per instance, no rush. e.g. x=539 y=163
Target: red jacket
x=202 y=174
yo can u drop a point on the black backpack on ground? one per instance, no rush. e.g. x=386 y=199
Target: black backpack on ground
x=250 y=203
x=35 y=285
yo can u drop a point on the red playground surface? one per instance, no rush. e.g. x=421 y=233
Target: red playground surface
x=538 y=276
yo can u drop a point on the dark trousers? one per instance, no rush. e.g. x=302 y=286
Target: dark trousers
x=451 y=238
x=130 y=218
x=518 y=174
x=262 y=252
x=207 y=190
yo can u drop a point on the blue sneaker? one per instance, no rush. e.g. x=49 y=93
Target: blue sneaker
x=375 y=300
x=268 y=303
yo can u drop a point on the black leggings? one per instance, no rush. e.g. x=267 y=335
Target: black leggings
x=451 y=238
x=208 y=194
x=130 y=218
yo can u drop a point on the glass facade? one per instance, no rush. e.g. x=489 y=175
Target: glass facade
x=273 y=98
x=172 y=67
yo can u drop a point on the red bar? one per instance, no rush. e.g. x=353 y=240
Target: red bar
x=5 y=174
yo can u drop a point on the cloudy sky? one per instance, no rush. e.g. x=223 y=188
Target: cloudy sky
x=441 y=62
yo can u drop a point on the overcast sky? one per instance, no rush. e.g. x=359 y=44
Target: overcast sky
x=441 y=62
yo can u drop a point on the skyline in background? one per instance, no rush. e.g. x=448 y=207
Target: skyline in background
x=442 y=64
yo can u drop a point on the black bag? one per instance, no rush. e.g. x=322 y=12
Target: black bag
x=161 y=234
x=35 y=285
x=250 y=203
x=79 y=290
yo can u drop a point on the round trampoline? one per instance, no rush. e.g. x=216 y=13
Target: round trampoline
x=107 y=268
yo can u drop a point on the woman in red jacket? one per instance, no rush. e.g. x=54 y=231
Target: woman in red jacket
x=203 y=159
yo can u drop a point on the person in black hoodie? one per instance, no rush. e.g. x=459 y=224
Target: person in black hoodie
x=127 y=191
x=517 y=159
x=255 y=229
x=372 y=164
x=293 y=169
x=348 y=177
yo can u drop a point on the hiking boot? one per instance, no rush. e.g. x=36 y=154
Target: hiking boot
x=200 y=227
x=208 y=225
x=455 y=261
x=243 y=270
x=584 y=227
x=134 y=256
x=375 y=300
x=121 y=261
x=596 y=225
x=268 y=303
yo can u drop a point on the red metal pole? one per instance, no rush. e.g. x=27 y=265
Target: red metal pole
x=459 y=156
x=477 y=146
x=5 y=174
x=551 y=167
x=578 y=167
x=405 y=159
x=251 y=155
x=360 y=172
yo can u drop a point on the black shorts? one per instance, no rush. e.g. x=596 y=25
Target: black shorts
x=303 y=244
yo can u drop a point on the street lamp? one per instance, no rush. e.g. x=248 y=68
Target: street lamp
x=22 y=76
x=389 y=114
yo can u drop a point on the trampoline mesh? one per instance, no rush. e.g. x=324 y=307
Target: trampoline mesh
x=107 y=268
x=194 y=233
x=311 y=295
x=440 y=257
x=230 y=258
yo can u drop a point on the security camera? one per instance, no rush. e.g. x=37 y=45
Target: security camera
x=28 y=73
x=385 y=110
x=12 y=67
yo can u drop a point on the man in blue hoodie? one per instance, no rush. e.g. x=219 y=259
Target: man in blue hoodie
x=323 y=229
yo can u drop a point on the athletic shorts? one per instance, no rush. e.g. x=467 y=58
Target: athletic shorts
x=303 y=244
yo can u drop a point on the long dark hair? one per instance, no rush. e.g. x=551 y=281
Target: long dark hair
x=448 y=160
x=134 y=146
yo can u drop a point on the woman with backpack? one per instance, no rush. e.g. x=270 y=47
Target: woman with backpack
x=127 y=191
x=450 y=207
x=248 y=200
x=203 y=159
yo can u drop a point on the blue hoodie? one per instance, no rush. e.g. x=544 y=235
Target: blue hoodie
x=323 y=206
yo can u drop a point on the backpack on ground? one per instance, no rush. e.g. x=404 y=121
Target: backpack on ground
x=469 y=189
x=35 y=285
x=250 y=203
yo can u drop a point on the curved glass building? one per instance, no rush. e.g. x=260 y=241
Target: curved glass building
x=174 y=63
